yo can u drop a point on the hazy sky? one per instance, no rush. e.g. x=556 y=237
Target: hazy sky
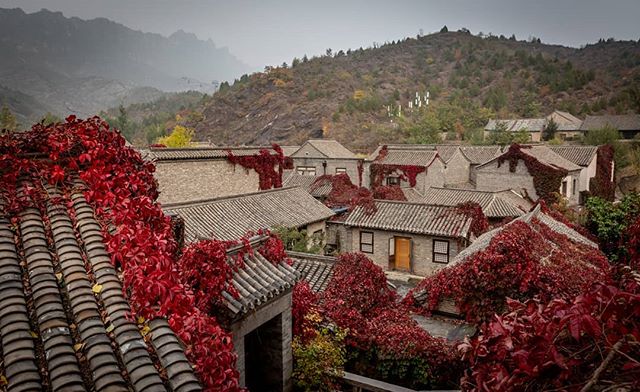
x=262 y=32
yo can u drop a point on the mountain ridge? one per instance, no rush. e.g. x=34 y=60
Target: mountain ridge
x=84 y=66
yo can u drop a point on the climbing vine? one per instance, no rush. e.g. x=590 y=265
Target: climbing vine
x=602 y=185
x=389 y=192
x=523 y=261
x=268 y=166
x=546 y=179
x=380 y=170
x=479 y=222
x=344 y=193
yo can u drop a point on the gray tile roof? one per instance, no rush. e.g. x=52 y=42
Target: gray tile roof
x=332 y=149
x=194 y=153
x=316 y=270
x=492 y=203
x=419 y=155
x=565 y=121
x=515 y=125
x=412 y=195
x=580 y=155
x=230 y=218
x=306 y=182
x=625 y=122
x=52 y=281
x=410 y=217
x=546 y=156
x=478 y=155
x=258 y=281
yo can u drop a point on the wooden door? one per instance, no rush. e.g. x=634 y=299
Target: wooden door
x=403 y=253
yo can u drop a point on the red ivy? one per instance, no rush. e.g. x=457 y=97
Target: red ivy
x=479 y=222
x=344 y=193
x=602 y=185
x=560 y=344
x=360 y=171
x=521 y=262
x=390 y=192
x=138 y=236
x=268 y=166
x=546 y=179
x=304 y=301
x=355 y=293
x=381 y=333
x=379 y=170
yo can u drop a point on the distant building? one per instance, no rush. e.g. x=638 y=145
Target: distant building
x=477 y=155
x=230 y=218
x=568 y=126
x=404 y=236
x=320 y=157
x=534 y=126
x=422 y=156
x=628 y=124
x=188 y=174
x=493 y=176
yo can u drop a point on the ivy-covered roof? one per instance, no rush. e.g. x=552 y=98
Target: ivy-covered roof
x=492 y=203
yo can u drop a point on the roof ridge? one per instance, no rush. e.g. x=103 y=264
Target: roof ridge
x=193 y=203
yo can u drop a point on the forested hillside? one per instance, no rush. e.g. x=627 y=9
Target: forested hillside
x=361 y=97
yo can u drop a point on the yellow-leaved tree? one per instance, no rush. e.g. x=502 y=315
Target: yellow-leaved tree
x=179 y=137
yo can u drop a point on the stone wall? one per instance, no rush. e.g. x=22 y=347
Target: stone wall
x=456 y=170
x=273 y=323
x=181 y=181
x=421 y=252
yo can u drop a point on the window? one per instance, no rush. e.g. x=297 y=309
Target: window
x=340 y=170
x=440 y=251
x=393 y=180
x=306 y=170
x=575 y=186
x=564 y=188
x=366 y=242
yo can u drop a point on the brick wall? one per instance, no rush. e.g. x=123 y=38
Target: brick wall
x=181 y=181
x=332 y=164
x=422 y=248
x=456 y=170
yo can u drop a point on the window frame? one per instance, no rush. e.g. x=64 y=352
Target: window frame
x=433 y=251
x=371 y=244
x=306 y=170
x=341 y=170
x=392 y=181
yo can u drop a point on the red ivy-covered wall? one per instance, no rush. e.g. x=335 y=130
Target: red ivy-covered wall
x=268 y=166
x=380 y=170
x=546 y=179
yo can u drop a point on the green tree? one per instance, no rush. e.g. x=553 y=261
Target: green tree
x=597 y=137
x=299 y=240
x=7 y=120
x=50 y=118
x=179 y=137
x=444 y=29
x=607 y=221
x=549 y=131
x=320 y=361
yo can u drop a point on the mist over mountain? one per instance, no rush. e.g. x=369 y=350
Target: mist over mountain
x=69 y=65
